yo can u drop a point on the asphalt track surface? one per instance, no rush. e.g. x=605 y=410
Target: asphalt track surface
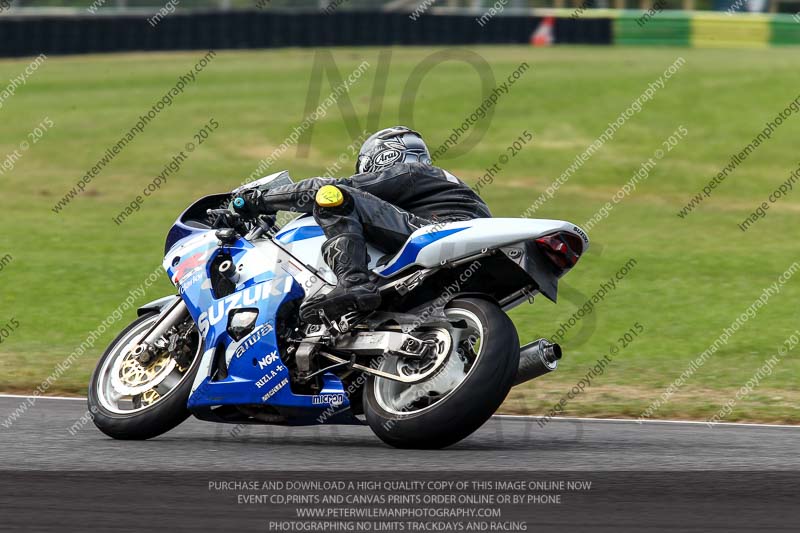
x=655 y=476
x=41 y=440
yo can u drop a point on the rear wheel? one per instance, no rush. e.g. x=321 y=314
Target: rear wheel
x=131 y=400
x=473 y=381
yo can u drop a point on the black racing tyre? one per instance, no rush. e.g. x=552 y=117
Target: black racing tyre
x=438 y=419
x=147 y=421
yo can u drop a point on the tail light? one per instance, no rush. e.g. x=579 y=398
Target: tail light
x=563 y=249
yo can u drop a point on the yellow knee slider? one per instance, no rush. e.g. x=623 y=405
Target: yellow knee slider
x=329 y=196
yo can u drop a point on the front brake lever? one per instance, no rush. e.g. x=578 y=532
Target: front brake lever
x=227 y=218
x=219 y=214
x=229 y=225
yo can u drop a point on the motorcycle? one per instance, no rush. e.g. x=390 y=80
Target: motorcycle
x=425 y=370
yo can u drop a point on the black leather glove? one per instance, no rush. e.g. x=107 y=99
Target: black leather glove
x=249 y=204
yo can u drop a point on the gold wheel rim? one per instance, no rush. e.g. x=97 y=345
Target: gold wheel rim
x=132 y=373
x=149 y=397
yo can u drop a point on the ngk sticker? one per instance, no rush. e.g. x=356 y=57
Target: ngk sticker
x=268 y=360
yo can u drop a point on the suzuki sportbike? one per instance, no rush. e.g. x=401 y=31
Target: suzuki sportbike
x=425 y=370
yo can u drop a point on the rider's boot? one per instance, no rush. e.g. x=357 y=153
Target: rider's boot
x=346 y=255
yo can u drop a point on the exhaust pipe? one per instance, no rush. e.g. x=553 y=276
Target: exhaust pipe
x=536 y=359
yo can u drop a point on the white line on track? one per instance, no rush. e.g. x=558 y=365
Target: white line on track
x=654 y=421
x=532 y=417
x=26 y=396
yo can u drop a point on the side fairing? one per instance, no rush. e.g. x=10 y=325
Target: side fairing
x=267 y=278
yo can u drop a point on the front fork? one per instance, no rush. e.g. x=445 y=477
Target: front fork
x=171 y=316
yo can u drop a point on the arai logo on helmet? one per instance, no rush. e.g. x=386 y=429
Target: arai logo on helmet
x=391 y=153
x=386 y=158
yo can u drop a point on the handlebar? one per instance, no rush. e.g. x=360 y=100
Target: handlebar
x=248 y=204
x=243 y=219
x=224 y=218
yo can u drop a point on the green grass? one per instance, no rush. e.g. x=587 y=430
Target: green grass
x=693 y=276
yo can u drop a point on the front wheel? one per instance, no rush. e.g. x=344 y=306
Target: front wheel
x=458 y=399
x=131 y=400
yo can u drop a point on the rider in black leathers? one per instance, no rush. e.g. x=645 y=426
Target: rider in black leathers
x=396 y=192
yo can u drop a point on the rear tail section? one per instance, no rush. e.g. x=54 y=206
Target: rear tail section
x=443 y=243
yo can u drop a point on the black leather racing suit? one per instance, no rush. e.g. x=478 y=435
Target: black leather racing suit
x=385 y=207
